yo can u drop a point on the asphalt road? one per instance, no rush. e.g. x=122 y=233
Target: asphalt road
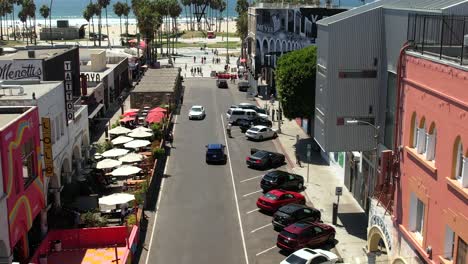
x=207 y=213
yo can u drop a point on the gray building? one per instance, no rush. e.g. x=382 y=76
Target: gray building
x=357 y=59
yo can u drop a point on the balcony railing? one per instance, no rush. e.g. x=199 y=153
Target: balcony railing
x=443 y=36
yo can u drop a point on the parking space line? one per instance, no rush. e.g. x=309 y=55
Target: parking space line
x=245 y=195
x=235 y=194
x=260 y=228
x=253 y=178
x=264 y=251
x=255 y=210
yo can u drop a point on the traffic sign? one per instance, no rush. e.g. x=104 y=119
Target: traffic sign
x=339 y=191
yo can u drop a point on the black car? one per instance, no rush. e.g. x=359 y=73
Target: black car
x=264 y=159
x=292 y=213
x=279 y=179
x=243 y=86
x=222 y=83
x=245 y=124
x=253 y=107
x=215 y=153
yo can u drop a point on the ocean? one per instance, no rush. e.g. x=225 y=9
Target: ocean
x=72 y=10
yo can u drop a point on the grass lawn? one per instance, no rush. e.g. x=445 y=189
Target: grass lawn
x=11 y=43
x=202 y=34
x=220 y=45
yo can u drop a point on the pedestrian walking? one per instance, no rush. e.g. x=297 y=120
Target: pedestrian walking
x=194 y=59
x=298 y=159
x=185 y=66
x=181 y=99
x=297 y=140
x=170 y=139
x=212 y=60
x=272 y=114
x=174 y=59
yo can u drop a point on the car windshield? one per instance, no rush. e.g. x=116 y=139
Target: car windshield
x=294 y=259
x=270 y=196
x=254 y=129
x=260 y=154
x=269 y=177
x=196 y=109
x=214 y=151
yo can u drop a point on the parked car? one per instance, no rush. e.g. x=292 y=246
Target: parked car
x=292 y=213
x=222 y=83
x=245 y=124
x=215 y=153
x=260 y=133
x=264 y=159
x=197 y=112
x=252 y=107
x=274 y=199
x=311 y=256
x=305 y=234
x=95 y=36
x=243 y=86
x=233 y=114
x=279 y=179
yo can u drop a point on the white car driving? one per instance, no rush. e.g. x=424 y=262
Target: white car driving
x=310 y=256
x=260 y=133
x=197 y=112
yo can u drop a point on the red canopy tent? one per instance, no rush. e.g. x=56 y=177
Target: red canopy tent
x=158 y=109
x=155 y=117
x=127 y=119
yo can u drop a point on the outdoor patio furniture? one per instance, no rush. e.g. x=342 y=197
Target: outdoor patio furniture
x=115 y=152
x=121 y=140
x=108 y=164
x=119 y=130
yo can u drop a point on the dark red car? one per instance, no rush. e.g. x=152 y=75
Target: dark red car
x=305 y=234
x=274 y=199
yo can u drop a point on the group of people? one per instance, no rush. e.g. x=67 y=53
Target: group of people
x=196 y=70
x=216 y=60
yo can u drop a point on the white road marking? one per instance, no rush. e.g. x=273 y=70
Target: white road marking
x=253 y=178
x=264 y=251
x=255 y=210
x=235 y=194
x=260 y=228
x=245 y=195
x=159 y=198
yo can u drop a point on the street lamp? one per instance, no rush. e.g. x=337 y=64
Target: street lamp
x=376 y=150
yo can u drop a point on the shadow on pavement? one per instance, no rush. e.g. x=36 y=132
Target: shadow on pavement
x=301 y=149
x=355 y=224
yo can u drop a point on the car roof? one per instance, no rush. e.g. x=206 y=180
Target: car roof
x=247 y=104
x=197 y=106
x=277 y=172
x=306 y=253
x=298 y=227
x=215 y=146
x=277 y=192
x=260 y=126
x=290 y=208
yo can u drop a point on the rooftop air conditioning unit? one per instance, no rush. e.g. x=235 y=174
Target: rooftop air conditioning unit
x=31 y=54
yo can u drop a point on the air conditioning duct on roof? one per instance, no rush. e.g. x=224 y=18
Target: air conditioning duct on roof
x=13 y=87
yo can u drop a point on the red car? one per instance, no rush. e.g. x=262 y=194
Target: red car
x=305 y=234
x=274 y=199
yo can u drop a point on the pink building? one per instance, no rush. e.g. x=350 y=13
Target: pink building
x=23 y=179
x=432 y=203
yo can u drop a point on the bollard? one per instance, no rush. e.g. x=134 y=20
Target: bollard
x=335 y=213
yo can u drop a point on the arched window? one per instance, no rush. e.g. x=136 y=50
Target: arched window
x=421 y=144
x=431 y=138
x=459 y=161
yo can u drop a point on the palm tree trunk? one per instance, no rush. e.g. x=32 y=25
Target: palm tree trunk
x=7 y=30
x=1 y=27
x=107 y=29
x=99 y=28
x=167 y=35
x=35 y=33
x=94 y=32
x=120 y=21
x=13 y=22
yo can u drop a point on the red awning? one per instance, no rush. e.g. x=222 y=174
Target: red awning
x=158 y=109
x=127 y=119
x=155 y=117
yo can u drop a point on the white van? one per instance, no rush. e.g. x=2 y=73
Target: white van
x=233 y=114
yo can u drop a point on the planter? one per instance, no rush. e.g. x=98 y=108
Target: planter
x=42 y=259
x=57 y=245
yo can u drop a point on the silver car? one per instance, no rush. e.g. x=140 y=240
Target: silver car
x=197 y=112
x=260 y=133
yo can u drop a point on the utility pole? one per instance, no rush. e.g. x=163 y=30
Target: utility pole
x=50 y=24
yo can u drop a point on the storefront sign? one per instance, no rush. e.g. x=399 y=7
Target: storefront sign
x=69 y=108
x=378 y=221
x=47 y=143
x=93 y=77
x=21 y=70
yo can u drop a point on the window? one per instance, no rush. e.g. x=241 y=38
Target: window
x=417 y=209
x=415 y=130
x=390 y=109
x=27 y=156
x=462 y=252
x=461 y=164
x=449 y=243
x=430 y=143
x=421 y=144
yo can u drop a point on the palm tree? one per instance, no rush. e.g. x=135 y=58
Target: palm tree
x=87 y=16
x=174 y=11
x=118 y=10
x=13 y=3
x=186 y=3
x=23 y=17
x=45 y=12
x=29 y=9
x=126 y=12
x=7 y=9
x=90 y=11
x=104 y=4
x=222 y=7
x=148 y=21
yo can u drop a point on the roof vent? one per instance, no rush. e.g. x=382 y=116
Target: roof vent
x=31 y=54
x=11 y=88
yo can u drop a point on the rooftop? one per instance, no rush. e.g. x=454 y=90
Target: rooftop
x=282 y=5
x=24 y=89
x=10 y=113
x=39 y=54
x=158 y=80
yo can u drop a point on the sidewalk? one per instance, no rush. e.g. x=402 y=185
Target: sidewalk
x=351 y=228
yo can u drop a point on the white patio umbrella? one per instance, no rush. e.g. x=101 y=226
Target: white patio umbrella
x=119 y=130
x=115 y=152
x=140 y=134
x=132 y=157
x=121 y=140
x=137 y=143
x=108 y=164
x=142 y=128
x=116 y=198
x=126 y=170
